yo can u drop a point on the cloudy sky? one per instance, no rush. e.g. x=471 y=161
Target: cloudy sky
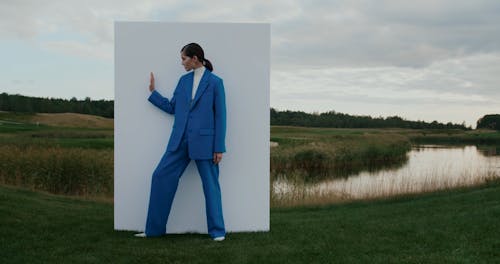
x=421 y=60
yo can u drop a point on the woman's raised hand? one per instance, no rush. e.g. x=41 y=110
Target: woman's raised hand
x=151 y=82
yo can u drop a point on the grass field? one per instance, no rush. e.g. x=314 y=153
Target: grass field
x=443 y=136
x=460 y=226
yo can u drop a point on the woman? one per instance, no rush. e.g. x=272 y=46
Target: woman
x=199 y=131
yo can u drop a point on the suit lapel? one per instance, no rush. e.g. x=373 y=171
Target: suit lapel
x=189 y=88
x=201 y=87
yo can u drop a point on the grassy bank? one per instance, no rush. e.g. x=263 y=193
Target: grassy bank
x=316 y=153
x=488 y=137
x=460 y=226
x=332 y=152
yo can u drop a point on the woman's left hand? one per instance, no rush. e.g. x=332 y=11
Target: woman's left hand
x=217 y=157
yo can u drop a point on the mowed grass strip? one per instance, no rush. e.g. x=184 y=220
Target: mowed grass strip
x=460 y=226
x=59 y=119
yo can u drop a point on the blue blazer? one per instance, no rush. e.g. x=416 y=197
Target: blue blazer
x=204 y=117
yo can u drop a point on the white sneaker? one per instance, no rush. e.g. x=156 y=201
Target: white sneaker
x=219 y=238
x=140 y=235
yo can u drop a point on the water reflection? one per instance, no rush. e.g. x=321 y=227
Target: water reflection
x=429 y=167
x=489 y=150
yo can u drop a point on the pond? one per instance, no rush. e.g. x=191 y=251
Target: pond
x=429 y=168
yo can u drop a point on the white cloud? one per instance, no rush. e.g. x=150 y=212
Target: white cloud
x=98 y=50
x=329 y=33
x=466 y=83
x=383 y=56
x=93 y=20
x=389 y=33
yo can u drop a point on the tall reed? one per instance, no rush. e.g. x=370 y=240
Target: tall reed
x=71 y=171
x=326 y=158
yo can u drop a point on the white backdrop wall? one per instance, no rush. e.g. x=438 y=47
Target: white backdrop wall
x=240 y=54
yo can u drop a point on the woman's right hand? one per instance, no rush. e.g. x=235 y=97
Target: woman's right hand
x=151 y=82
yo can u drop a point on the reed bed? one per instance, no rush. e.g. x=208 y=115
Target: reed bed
x=324 y=157
x=429 y=170
x=290 y=193
x=69 y=171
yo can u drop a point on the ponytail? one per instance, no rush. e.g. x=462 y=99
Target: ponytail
x=193 y=49
x=208 y=64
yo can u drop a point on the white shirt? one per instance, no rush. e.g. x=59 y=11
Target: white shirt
x=198 y=72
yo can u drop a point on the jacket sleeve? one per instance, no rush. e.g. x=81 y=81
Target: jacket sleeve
x=163 y=103
x=220 y=118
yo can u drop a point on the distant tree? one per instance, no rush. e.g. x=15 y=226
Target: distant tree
x=26 y=104
x=4 y=101
x=489 y=121
x=341 y=120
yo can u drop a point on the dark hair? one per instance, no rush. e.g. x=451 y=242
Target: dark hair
x=193 y=49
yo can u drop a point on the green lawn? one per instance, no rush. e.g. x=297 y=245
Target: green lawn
x=461 y=226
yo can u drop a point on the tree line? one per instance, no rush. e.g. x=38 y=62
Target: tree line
x=105 y=108
x=27 y=104
x=341 y=120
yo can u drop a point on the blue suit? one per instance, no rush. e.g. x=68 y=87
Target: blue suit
x=199 y=130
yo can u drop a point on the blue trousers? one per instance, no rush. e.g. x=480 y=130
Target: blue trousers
x=164 y=185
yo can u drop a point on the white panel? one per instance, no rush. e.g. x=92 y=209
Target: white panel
x=240 y=54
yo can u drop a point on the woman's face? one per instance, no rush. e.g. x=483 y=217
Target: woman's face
x=188 y=62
